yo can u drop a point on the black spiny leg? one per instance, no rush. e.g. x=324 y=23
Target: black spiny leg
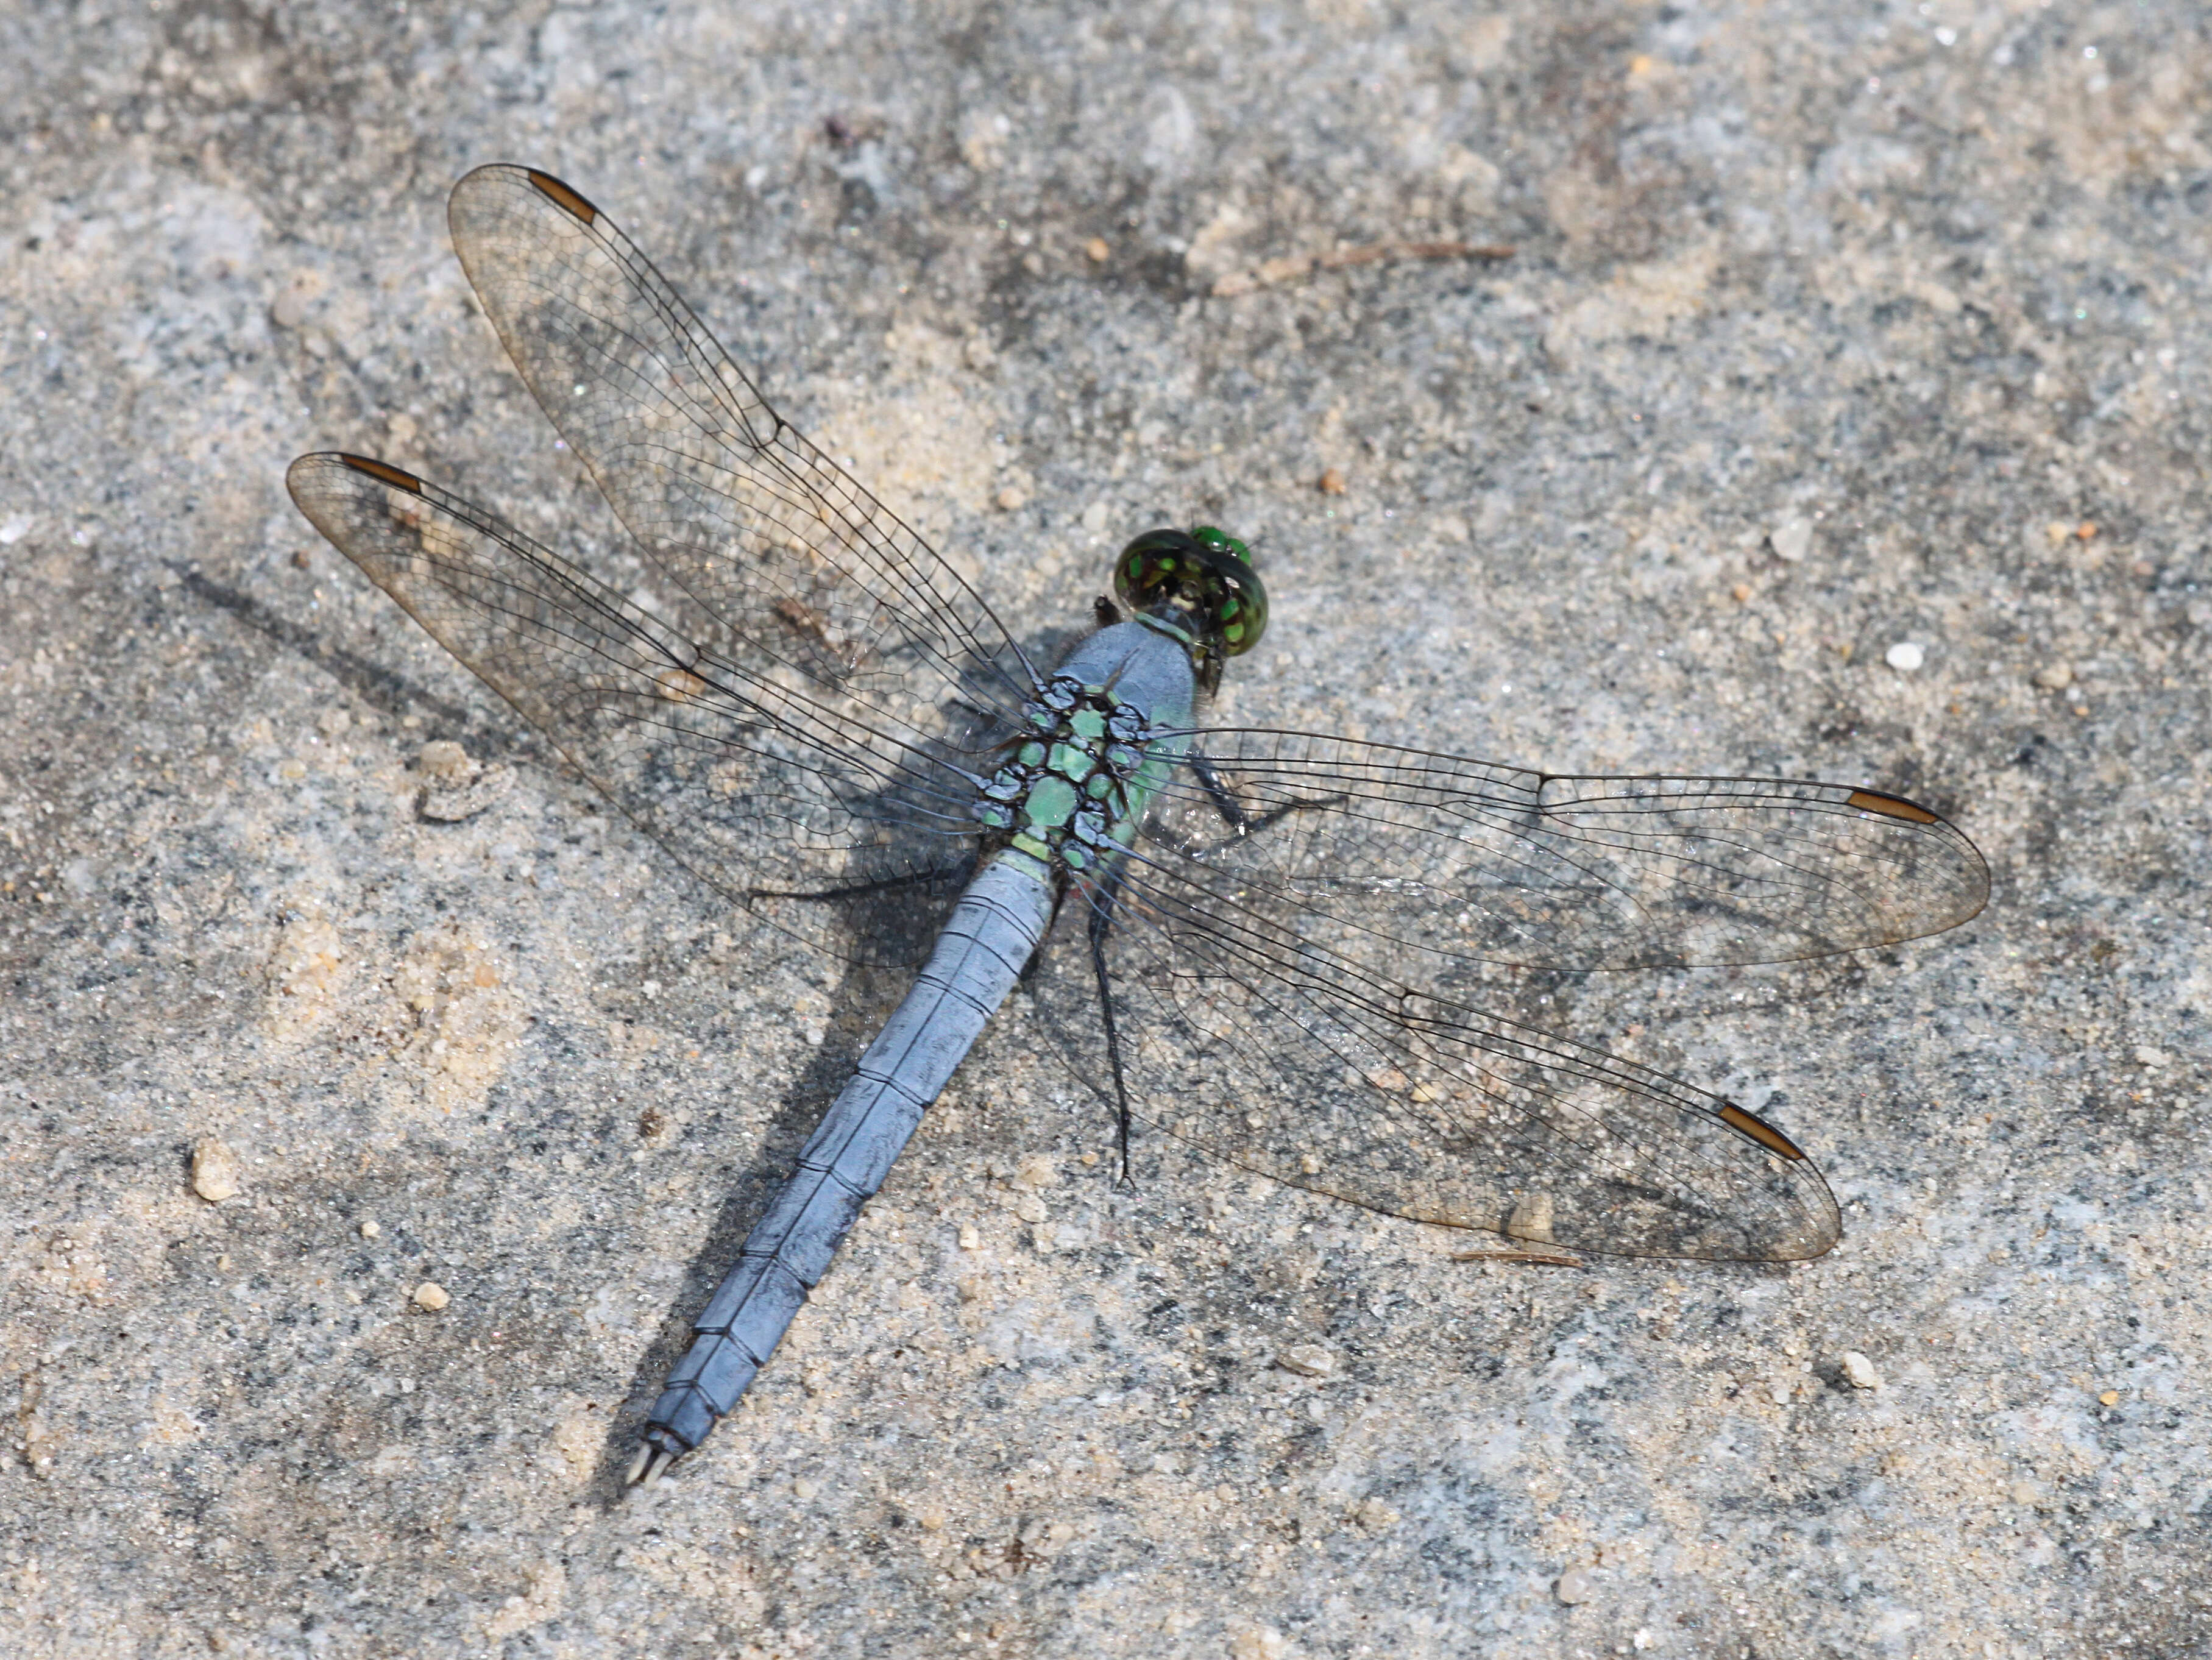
x=961 y=873
x=1232 y=811
x=1102 y=923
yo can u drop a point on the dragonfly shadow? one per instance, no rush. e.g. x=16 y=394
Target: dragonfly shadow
x=862 y=996
x=386 y=690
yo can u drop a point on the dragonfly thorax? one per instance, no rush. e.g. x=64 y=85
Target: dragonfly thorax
x=1070 y=790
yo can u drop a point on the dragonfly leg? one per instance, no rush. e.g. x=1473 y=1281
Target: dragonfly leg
x=1232 y=811
x=1102 y=923
x=961 y=873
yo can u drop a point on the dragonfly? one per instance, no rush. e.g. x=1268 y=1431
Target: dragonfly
x=1271 y=944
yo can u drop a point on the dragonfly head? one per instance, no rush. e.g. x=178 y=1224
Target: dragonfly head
x=1198 y=585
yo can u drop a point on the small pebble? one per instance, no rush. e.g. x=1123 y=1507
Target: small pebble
x=1905 y=656
x=441 y=758
x=2055 y=676
x=1791 y=539
x=803 y=1489
x=2149 y=1057
x=369 y=1230
x=2026 y=1492
x=1574 y=1587
x=215 y=1170
x=1374 y=1516
x=1331 y=482
x=1308 y=1360
x=431 y=1295
x=1097 y=249
x=1859 y=1372
x=2109 y=1398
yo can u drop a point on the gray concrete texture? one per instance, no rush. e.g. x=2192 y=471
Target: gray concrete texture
x=1840 y=411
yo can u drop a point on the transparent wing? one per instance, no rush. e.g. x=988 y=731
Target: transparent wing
x=1299 y=943
x=1244 y=1033
x=757 y=771
x=1460 y=858
x=778 y=550
x=1277 y=1054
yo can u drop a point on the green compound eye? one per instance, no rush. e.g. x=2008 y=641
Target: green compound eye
x=1221 y=542
x=1198 y=585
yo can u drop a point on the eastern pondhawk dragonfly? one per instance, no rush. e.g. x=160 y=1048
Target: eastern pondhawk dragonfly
x=1282 y=935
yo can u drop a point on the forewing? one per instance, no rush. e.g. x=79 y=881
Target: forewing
x=773 y=543
x=1244 y=1036
x=750 y=769
x=1464 y=860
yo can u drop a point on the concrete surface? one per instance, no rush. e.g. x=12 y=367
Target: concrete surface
x=1828 y=329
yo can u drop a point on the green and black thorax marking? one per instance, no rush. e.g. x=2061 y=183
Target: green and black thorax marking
x=1072 y=791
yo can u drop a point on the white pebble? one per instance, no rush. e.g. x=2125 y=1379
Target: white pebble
x=441 y=758
x=1905 y=656
x=1574 y=1586
x=2147 y=1056
x=1791 y=539
x=431 y=1295
x=369 y=1230
x=1859 y=1372
x=215 y=1170
x=2055 y=676
x=1308 y=1360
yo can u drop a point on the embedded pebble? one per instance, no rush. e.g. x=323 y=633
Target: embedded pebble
x=1791 y=539
x=369 y=1230
x=1905 y=656
x=431 y=1295
x=1308 y=1360
x=1574 y=1587
x=2055 y=676
x=215 y=1170
x=1859 y=1372
x=1332 y=481
x=442 y=759
x=1374 y=1516
x=2148 y=1057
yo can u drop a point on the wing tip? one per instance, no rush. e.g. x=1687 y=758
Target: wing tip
x=1892 y=807
x=559 y=192
x=382 y=471
x=563 y=195
x=1754 y=1128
